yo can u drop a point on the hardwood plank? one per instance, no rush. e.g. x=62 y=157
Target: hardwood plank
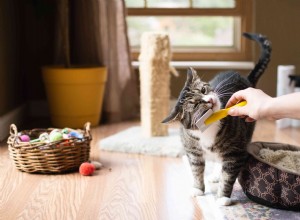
x=267 y=131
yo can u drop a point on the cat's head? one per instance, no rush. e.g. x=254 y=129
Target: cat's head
x=194 y=100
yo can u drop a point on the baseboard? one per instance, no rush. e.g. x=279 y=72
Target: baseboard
x=13 y=117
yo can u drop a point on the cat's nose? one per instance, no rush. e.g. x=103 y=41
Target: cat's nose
x=211 y=100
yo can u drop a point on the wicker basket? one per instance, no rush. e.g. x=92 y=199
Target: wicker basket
x=55 y=157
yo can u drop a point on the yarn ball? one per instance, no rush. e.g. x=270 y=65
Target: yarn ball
x=86 y=169
x=55 y=136
x=24 y=138
x=66 y=130
x=44 y=137
x=76 y=134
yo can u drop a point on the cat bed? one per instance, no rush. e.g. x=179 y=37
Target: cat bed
x=271 y=176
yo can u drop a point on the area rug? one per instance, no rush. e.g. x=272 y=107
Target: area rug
x=242 y=209
x=132 y=140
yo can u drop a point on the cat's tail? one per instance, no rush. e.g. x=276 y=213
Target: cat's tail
x=264 y=59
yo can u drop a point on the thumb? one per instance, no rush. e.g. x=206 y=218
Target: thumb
x=237 y=111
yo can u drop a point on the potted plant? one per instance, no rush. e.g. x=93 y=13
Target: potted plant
x=74 y=93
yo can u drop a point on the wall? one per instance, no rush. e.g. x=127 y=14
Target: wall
x=11 y=78
x=26 y=44
x=279 y=20
x=38 y=19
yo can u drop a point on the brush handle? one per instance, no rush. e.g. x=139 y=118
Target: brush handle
x=216 y=116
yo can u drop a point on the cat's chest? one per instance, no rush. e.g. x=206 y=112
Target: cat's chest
x=208 y=137
x=207 y=140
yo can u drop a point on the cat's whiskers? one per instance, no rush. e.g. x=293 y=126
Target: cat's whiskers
x=222 y=82
x=224 y=88
x=225 y=95
x=225 y=91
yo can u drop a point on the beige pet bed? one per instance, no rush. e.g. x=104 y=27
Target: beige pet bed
x=272 y=175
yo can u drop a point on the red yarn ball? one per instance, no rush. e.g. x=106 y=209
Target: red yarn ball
x=86 y=169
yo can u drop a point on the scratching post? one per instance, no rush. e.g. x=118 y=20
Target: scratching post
x=154 y=83
x=152 y=137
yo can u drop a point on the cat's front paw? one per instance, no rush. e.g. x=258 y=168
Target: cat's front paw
x=224 y=201
x=196 y=192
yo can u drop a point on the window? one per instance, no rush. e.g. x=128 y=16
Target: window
x=198 y=29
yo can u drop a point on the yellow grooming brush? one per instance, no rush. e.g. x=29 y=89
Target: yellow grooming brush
x=210 y=117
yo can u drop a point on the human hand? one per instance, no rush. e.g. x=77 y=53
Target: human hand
x=256 y=101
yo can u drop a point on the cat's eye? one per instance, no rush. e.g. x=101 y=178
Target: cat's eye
x=204 y=90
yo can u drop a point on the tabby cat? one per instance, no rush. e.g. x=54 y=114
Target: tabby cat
x=224 y=141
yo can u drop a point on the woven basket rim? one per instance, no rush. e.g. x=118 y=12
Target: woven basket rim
x=12 y=140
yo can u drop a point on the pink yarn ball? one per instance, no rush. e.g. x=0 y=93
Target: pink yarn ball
x=24 y=138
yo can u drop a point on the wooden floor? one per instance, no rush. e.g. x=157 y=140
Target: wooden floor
x=128 y=187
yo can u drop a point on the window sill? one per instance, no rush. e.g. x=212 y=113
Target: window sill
x=214 y=65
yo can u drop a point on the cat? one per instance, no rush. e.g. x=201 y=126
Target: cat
x=224 y=141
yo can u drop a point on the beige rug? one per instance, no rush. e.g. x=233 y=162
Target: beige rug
x=132 y=140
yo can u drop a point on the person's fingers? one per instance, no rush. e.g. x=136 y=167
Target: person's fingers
x=232 y=112
x=232 y=101
x=238 y=111
x=235 y=98
x=241 y=113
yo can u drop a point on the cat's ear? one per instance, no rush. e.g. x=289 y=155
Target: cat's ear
x=191 y=75
x=174 y=116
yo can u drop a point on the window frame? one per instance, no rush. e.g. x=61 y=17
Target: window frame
x=242 y=52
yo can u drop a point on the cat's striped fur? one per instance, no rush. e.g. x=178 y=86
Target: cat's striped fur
x=226 y=140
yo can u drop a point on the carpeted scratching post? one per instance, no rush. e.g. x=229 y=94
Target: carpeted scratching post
x=153 y=137
x=155 y=83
